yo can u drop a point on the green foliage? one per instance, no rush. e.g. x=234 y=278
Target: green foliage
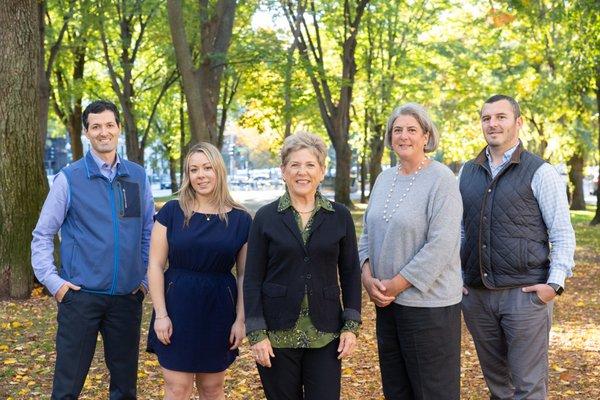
x=445 y=54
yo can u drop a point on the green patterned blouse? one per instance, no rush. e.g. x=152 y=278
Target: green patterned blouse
x=303 y=335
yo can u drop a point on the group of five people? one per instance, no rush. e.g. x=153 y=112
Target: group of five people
x=497 y=243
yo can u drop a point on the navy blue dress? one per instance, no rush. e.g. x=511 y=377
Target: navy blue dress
x=200 y=289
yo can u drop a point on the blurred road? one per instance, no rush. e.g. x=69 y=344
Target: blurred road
x=254 y=199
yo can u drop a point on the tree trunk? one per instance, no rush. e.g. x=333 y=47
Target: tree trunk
x=123 y=88
x=134 y=152
x=44 y=69
x=43 y=81
x=343 y=158
x=377 y=147
x=287 y=91
x=173 y=173
x=596 y=219
x=335 y=116
x=363 y=162
x=363 y=179
x=74 y=118
x=182 y=140
x=74 y=130
x=132 y=27
x=576 y=164
x=201 y=86
x=22 y=179
x=190 y=84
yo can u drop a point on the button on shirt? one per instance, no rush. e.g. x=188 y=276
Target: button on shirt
x=53 y=214
x=551 y=194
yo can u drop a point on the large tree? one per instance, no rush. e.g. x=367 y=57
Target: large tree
x=51 y=35
x=584 y=71
x=335 y=110
x=22 y=179
x=391 y=63
x=68 y=85
x=130 y=75
x=202 y=84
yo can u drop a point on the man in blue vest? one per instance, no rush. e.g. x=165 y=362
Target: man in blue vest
x=103 y=207
x=517 y=251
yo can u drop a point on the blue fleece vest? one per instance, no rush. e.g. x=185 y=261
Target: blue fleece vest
x=101 y=235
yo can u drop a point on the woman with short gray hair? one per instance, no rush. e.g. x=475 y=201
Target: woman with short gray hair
x=302 y=258
x=410 y=258
x=304 y=140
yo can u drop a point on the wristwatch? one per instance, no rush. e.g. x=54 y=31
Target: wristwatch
x=557 y=288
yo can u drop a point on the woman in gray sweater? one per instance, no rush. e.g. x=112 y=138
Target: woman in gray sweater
x=410 y=257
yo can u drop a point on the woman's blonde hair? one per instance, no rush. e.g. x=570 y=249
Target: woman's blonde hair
x=220 y=195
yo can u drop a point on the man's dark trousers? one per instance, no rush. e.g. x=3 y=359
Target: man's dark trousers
x=81 y=315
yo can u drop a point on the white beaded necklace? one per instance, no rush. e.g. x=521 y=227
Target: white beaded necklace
x=386 y=216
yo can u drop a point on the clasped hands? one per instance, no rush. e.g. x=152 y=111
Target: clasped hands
x=262 y=352
x=383 y=292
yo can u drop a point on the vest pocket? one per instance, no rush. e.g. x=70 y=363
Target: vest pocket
x=72 y=272
x=128 y=199
x=74 y=258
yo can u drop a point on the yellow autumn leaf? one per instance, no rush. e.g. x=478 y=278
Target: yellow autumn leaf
x=88 y=383
x=16 y=324
x=10 y=361
x=556 y=368
x=3 y=347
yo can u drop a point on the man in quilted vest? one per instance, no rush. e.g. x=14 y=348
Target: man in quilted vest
x=517 y=251
x=103 y=206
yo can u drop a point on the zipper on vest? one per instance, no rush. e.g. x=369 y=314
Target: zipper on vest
x=116 y=236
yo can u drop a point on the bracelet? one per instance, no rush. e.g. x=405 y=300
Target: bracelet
x=164 y=316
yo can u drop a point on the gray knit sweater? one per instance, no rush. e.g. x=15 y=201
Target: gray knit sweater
x=422 y=239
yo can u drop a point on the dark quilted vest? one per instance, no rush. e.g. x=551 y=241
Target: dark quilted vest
x=506 y=241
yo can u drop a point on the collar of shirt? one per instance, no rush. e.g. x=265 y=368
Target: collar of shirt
x=321 y=201
x=505 y=158
x=106 y=170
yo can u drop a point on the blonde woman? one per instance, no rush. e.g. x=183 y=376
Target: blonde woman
x=198 y=319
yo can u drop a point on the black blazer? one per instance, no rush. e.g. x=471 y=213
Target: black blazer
x=279 y=266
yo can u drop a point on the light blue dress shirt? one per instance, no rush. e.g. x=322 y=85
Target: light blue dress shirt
x=51 y=219
x=550 y=191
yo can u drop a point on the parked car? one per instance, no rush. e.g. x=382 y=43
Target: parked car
x=165 y=183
